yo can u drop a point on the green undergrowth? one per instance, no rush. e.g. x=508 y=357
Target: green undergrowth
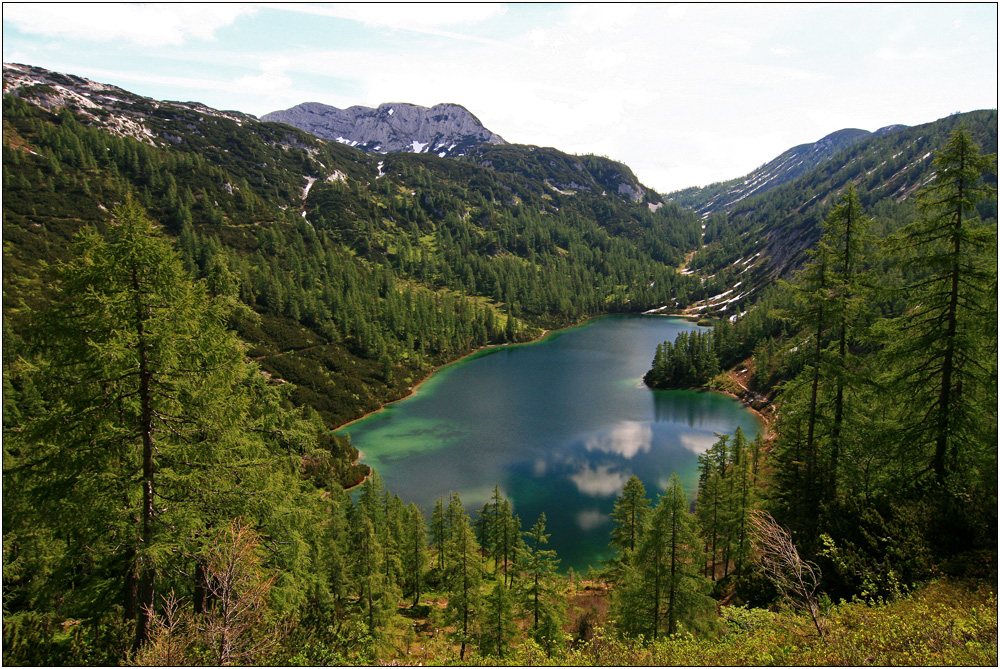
x=943 y=623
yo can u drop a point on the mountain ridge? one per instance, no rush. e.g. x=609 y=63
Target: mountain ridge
x=787 y=166
x=446 y=129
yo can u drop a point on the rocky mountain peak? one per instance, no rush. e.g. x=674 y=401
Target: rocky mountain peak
x=393 y=127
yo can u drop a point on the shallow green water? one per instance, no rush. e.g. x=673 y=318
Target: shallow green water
x=559 y=425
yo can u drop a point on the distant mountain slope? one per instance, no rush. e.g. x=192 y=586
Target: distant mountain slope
x=121 y=112
x=766 y=236
x=446 y=130
x=366 y=270
x=565 y=174
x=790 y=165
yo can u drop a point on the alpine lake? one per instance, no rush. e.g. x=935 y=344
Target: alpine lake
x=559 y=424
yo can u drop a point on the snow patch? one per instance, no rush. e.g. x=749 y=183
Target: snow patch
x=418 y=147
x=305 y=191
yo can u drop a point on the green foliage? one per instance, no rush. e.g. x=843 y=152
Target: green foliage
x=384 y=278
x=687 y=362
x=944 y=624
x=464 y=577
x=156 y=429
x=541 y=602
x=629 y=515
x=662 y=591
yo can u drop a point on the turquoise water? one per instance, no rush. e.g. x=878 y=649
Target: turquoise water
x=560 y=425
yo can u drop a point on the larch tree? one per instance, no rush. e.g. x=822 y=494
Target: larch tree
x=845 y=242
x=629 y=515
x=540 y=594
x=159 y=427
x=463 y=578
x=415 y=551
x=944 y=346
x=662 y=588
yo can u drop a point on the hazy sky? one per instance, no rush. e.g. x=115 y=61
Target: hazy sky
x=684 y=94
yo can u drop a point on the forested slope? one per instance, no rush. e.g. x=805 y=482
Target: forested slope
x=766 y=237
x=364 y=271
x=879 y=359
x=192 y=299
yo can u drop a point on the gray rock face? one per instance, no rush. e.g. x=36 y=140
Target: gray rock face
x=444 y=129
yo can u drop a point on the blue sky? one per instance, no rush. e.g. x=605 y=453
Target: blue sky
x=684 y=94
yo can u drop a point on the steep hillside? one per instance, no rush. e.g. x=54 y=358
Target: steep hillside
x=765 y=237
x=790 y=165
x=446 y=130
x=362 y=272
x=566 y=174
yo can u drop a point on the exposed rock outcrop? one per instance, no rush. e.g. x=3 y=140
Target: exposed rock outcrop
x=446 y=130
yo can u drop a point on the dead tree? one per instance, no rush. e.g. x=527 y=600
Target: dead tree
x=796 y=579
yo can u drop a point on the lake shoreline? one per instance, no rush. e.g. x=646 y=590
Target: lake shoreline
x=545 y=334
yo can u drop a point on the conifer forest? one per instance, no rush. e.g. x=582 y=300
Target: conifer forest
x=189 y=321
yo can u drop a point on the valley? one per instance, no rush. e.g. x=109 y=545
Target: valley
x=209 y=320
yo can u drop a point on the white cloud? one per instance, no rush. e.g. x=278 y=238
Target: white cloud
x=783 y=50
x=272 y=82
x=683 y=94
x=402 y=15
x=147 y=25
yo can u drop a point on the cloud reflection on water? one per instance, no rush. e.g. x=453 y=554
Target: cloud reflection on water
x=590 y=519
x=599 y=481
x=627 y=439
x=696 y=442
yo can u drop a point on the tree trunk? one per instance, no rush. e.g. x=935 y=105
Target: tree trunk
x=947 y=365
x=146 y=572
